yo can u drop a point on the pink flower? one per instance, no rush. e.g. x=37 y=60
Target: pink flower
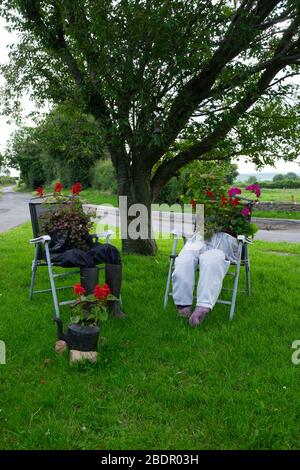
x=254 y=188
x=234 y=191
x=246 y=212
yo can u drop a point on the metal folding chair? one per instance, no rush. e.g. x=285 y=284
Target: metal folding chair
x=242 y=260
x=42 y=253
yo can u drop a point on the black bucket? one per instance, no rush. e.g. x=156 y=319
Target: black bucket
x=82 y=338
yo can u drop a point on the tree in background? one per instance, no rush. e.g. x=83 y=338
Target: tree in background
x=1 y=163
x=73 y=142
x=64 y=145
x=279 y=177
x=24 y=153
x=252 y=179
x=153 y=73
x=292 y=176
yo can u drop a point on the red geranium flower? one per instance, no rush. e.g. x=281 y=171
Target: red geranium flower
x=40 y=191
x=76 y=189
x=209 y=194
x=101 y=293
x=235 y=201
x=224 y=200
x=58 y=187
x=78 y=289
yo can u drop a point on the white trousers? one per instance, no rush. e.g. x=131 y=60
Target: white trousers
x=213 y=263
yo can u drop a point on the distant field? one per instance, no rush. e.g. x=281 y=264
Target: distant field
x=279 y=195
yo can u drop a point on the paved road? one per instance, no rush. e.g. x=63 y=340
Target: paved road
x=13 y=208
x=162 y=225
x=14 y=211
x=290 y=236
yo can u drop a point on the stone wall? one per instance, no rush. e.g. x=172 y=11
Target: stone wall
x=278 y=206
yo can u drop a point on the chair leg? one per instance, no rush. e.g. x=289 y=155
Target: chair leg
x=54 y=295
x=168 y=282
x=236 y=281
x=33 y=272
x=247 y=266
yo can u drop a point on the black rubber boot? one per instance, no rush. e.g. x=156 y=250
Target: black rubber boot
x=113 y=277
x=89 y=278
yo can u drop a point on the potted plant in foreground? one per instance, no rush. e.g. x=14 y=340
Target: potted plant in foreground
x=88 y=311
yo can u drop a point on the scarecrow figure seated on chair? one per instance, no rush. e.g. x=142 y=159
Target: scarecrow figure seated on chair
x=71 y=244
x=226 y=217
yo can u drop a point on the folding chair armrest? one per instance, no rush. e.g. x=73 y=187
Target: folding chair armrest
x=95 y=236
x=244 y=240
x=43 y=239
x=106 y=234
x=177 y=234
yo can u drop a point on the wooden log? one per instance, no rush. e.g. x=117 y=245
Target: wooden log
x=80 y=356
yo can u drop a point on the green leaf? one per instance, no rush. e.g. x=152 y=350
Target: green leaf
x=75 y=319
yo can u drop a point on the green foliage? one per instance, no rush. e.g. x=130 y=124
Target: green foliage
x=7 y=180
x=64 y=145
x=68 y=219
x=206 y=176
x=278 y=177
x=147 y=71
x=282 y=184
x=25 y=153
x=172 y=191
x=90 y=311
x=292 y=176
x=72 y=141
x=197 y=177
x=103 y=177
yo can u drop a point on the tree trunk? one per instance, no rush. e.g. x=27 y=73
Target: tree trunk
x=135 y=214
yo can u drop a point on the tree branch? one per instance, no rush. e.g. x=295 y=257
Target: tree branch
x=227 y=122
x=199 y=87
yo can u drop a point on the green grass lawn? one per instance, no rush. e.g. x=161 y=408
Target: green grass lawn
x=93 y=196
x=277 y=214
x=159 y=384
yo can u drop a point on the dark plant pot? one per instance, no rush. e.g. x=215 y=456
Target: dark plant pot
x=89 y=278
x=82 y=338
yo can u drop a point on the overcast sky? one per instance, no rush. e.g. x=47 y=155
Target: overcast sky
x=7 y=128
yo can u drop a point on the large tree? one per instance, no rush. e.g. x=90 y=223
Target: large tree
x=155 y=72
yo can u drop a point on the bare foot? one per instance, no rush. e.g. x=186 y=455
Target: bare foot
x=198 y=316
x=184 y=311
